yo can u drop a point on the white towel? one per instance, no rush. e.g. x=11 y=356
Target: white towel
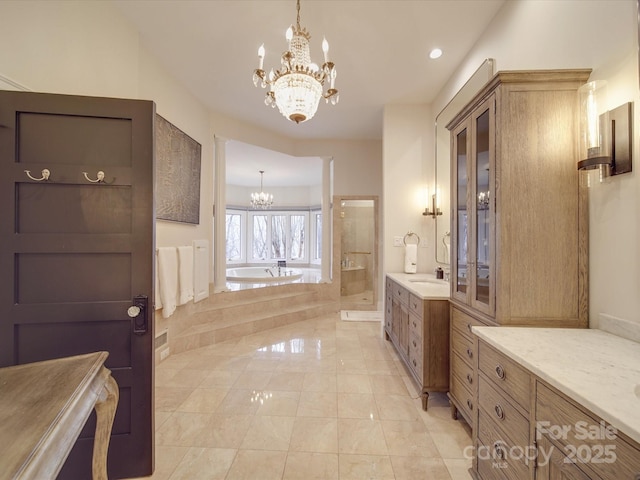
x=200 y=270
x=168 y=277
x=185 y=274
x=411 y=258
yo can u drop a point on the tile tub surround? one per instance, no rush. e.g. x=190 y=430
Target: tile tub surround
x=423 y=285
x=597 y=369
x=321 y=398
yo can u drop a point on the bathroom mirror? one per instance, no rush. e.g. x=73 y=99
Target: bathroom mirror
x=442 y=155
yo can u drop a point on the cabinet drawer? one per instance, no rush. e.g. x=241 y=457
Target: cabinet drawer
x=415 y=345
x=388 y=323
x=400 y=293
x=415 y=305
x=506 y=374
x=415 y=363
x=501 y=451
x=496 y=408
x=463 y=396
x=489 y=467
x=463 y=322
x=463 y=346
x=463 y=371
x=583 y=436
x=415 y=324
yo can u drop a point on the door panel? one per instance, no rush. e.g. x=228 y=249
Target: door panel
x=74 y=139
x=74 y=252
x=83 y=202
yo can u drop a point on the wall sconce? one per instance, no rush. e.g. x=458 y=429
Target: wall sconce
x=605 y=136
x=432 y=210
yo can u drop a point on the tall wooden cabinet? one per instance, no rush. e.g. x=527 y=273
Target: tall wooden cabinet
x=519 y=214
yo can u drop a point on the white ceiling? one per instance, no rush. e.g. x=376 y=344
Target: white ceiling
x=245 y=161
x=380 y=49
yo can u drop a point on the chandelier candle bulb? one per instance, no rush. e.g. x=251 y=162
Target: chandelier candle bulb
x=325 y=49
x=261 y=56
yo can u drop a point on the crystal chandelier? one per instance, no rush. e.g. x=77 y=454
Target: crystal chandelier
x=261 y=200
x=297 y=87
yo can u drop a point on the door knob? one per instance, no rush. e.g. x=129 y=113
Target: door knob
x=139 y=313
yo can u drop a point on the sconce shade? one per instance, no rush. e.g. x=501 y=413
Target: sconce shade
x=605 y=136
x=593 y=126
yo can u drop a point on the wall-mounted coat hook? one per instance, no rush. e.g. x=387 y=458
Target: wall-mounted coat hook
x=100 y=178
x=45 y=175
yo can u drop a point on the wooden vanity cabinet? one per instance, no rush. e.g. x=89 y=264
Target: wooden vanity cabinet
x=594 y=449
x=556 y=467
x=504 y=407
x=527 y=429
x=519 y=232
x=419 y=331
x=463 y=355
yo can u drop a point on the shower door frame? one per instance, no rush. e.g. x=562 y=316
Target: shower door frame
x=337 y=249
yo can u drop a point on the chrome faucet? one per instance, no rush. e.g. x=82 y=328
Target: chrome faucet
x=268 y=270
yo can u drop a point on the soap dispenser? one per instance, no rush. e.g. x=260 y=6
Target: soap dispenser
x=439 y=273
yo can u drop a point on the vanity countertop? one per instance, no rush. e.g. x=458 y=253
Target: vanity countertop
x=423 y=285
x=597 y=369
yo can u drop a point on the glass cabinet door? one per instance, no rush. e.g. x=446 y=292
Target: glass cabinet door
x=482 y=208
x=460 y=277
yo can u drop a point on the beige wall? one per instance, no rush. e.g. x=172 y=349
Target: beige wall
x=408 y=152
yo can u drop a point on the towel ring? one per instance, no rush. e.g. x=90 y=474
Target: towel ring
x=411 y=234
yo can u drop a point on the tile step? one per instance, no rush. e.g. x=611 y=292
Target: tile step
x=225 y=329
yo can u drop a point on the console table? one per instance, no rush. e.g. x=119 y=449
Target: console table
x=43 y=408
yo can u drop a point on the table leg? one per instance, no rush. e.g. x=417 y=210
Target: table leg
x=105 y=413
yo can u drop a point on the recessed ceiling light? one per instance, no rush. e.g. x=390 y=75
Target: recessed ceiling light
x=435 y=53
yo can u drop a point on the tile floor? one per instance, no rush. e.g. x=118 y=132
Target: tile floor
x=321 y=399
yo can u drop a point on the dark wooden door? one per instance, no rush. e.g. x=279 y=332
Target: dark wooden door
x=76 y=252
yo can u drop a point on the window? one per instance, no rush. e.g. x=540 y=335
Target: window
x=279 y=235
x=234 y=238
x=258 y=236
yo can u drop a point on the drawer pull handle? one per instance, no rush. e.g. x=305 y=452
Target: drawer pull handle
x=499 y=412
x=500 y=372
x=415 y=345
x=469 y=404
x=415 y=364
x=499 y=450
x=469 y=378
x=469 y=327
x=469 y=353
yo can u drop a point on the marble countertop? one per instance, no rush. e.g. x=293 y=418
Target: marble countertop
x=423 y=285
x=597 y=369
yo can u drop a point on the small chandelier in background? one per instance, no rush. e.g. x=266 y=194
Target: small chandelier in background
x=483 y=200
x=261 y=200
x=297 y=87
